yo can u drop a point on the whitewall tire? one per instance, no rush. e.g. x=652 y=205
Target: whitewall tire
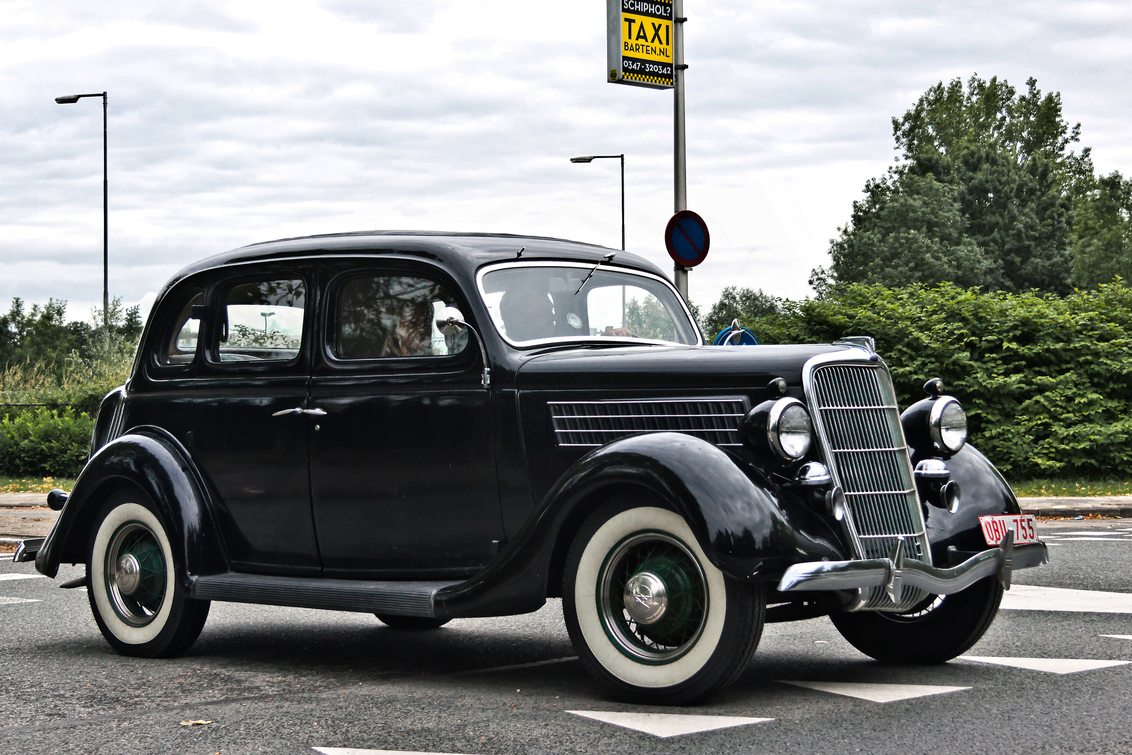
x=131 y=577
x=650 y=616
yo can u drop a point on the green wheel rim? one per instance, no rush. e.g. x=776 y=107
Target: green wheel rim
x=136 y=574
x=672 y=562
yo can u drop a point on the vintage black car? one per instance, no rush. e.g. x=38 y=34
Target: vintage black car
x=428 y=426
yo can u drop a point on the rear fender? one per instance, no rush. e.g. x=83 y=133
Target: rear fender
x=153 y=461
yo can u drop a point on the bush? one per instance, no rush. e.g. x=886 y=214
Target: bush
x=1046 y=380
x=45 y=442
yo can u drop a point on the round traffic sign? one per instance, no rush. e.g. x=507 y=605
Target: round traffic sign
x=686 y=238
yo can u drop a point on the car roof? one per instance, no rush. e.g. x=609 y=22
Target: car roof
x=465 y=252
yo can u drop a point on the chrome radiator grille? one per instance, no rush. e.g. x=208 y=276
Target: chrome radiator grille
x=595 y=423
x=855 y=408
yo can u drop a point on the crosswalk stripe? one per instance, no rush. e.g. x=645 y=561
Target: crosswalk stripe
x=1031 y=598
x=877 y=693
x=357 y=751
x=666 y=725
x=1048 y=665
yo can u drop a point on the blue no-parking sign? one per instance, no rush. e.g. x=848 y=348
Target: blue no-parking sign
x=686 y=238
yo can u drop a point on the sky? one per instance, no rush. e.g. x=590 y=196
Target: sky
x=242 y=121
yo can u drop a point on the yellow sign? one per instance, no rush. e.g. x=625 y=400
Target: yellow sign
x=640 y=43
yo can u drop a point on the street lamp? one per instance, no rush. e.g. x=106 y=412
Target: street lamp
x=590 y=159
x=70 y=99
x=266 y=315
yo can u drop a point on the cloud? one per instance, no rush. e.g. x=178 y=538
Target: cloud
x=237 y=122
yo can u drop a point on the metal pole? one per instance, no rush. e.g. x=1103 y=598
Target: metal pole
x=622 y=202
x=105 y=238
x=680 y=171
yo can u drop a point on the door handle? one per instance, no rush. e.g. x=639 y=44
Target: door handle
x=298 y=410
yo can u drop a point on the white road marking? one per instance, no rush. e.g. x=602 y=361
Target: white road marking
x=1118 y=636
x=1048 y=665
x=357 y=751
x=4 y=601
x=666 y=725
x=1090 y=533
x=1096 y=539
x=6 y=577
x=877 y=693
x=1030 y=598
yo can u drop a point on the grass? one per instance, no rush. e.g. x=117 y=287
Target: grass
x=1071 y=488
x=34 y=485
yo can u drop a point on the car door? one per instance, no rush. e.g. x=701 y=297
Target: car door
x=249 y=435
x=403 y=476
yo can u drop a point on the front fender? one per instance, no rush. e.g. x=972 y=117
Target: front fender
x=153 y=461
x=983 y=492
x=738 y=522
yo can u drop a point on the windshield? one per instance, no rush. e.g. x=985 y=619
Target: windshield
x=538 y=302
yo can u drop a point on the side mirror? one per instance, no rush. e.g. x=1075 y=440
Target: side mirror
x=451 y=322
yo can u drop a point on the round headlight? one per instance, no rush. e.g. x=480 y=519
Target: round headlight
x=948 y=423
x=790 y=430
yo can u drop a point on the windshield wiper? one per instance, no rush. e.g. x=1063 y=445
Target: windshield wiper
x=606 y=258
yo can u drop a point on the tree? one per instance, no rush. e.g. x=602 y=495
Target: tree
x=743 y=303
x=982 y=195
x=1102 y=229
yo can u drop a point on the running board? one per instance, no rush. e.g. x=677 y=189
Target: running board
x=363 y=596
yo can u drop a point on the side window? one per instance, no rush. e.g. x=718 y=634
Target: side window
x=389 y=316
x=262 y=321
x=180 y=345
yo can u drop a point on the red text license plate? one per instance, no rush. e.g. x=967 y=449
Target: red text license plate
x=996 y=527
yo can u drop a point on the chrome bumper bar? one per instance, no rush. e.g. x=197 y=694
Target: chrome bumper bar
x=895 y=572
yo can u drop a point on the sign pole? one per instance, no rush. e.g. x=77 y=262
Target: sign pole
x=680 y=172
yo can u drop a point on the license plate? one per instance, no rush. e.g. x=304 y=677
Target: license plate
x=996 y=527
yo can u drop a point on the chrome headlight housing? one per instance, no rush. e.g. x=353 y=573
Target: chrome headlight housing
x=781 y=427
x=947 y=423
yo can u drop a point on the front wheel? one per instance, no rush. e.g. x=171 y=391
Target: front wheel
x=650 y=616
x=939 y=629
x=131 y=581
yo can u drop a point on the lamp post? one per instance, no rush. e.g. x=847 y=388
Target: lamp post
x=70 y=99
x=590 y=159
x=266 y=315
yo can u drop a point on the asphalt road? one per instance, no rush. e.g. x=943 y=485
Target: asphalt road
x=278 y=680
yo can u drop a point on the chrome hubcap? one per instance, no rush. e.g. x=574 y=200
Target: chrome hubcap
x=128 y=574
x=646 y=598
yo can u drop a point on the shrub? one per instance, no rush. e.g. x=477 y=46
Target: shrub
x=45 y=442
x=1046 y=380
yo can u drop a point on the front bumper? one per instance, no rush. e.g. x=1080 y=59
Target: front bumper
x=896 y=572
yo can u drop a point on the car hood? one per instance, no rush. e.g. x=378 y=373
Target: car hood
x=667 y=367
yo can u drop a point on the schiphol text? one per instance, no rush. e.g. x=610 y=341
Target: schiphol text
x=646 y=8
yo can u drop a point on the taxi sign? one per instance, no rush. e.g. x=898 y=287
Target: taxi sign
x=686 y=238
x=640 y=43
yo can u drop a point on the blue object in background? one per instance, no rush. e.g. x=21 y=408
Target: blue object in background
x=735 y=336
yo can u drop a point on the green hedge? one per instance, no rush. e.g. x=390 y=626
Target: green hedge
x=44 y=443
x=1046 y=380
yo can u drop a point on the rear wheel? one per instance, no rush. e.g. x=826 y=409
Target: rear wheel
x=132 y=578
x=939 y=629
x=410 y=623
x=650 y=616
